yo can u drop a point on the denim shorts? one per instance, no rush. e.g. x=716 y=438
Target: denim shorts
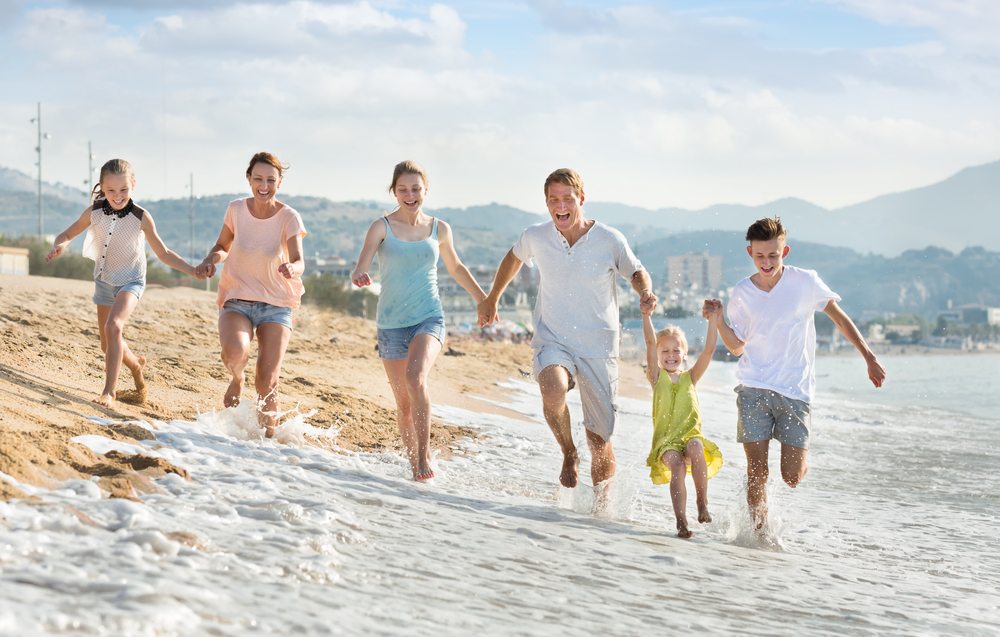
x=763 y=414
x=394 y=342
x=259 y=312
x=105 y=293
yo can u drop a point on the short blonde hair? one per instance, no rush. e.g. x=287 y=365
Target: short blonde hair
x=568 y=177
x=676 y=332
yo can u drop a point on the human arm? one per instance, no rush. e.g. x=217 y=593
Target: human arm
x=729 y=338
x=454 y=265
x=649 y=335
x=876 y=373
x=295 y=265
x=162 y=252
x=643 y=286
x=711 y=338
x=507 y=270
x=67 y=235
x=373 y=239
x=218 y=254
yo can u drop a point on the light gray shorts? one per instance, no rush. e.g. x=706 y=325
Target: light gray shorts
x=763 y=414
x=105 y=293
x=597 y=379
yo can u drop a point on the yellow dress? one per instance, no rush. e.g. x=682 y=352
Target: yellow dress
x=676 y=420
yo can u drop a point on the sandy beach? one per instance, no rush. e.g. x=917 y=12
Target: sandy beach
x=52 y=367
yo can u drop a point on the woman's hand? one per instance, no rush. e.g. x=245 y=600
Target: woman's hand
x=290 y=270
x=204 y=270
x=360 y=279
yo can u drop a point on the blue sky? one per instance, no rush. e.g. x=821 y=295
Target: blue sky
x=670 y=103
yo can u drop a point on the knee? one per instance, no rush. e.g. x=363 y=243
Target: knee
x=694 y=448
x=234 y=357
x=675 y=462
x=113 y=329
x=792 y=477
x=416 y=383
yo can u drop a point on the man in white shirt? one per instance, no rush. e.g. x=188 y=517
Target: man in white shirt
x=575 y=342
x=772 y=328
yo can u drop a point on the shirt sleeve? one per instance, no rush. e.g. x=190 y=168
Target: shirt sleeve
x=294 y=226
x=626 y=263
x=821 y=293
x=229 y=220
x=522 y=249
x=738 y=317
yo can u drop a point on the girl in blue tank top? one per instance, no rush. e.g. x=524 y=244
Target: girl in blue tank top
x=409 y=319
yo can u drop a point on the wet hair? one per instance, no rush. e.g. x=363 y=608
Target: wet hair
x=766 y=229
x=676 y=332
x=270 y=159
x=407 y=167
x=112 y=167
x=566 y=176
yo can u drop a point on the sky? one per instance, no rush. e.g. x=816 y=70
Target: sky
x=656 y=104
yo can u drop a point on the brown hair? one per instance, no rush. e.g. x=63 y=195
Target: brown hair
x=407 y=167
x=766 y=229
x=566 y=176
x=112 y=167
x=270 y=159
x=676 y=332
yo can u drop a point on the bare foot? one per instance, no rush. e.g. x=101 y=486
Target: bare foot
x=233 y=392
x=140 y=382
x=682 y=530
x=703 y=515
x=570 y=470
x=107 y=400
x=268 y=422
x=423 y=473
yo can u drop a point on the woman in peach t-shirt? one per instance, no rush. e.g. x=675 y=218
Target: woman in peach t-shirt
x=261 y=243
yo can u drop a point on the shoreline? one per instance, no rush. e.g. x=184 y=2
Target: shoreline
x=52 y=367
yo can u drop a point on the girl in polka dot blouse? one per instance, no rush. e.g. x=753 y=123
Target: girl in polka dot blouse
x=117 y=231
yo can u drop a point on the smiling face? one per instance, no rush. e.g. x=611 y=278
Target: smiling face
x=409 y=192
x=565 y=205
x=117 y=189
x=264 y=182
x=769 y=257
x=670 y=353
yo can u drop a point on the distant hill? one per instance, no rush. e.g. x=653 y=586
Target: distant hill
x=959 y=212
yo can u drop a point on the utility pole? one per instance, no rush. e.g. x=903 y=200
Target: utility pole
x=88 y=183
x=38 y=149
x=191 y=213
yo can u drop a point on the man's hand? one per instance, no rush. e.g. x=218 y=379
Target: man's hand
x=487 y=311
x=647 y=302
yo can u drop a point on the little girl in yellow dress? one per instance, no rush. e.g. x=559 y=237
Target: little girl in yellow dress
x=678 y=447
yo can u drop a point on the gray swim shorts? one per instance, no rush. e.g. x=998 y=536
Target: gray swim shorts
x=763 y=414
x=597 y=379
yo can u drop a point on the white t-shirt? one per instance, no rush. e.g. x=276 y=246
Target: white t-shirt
x=779 y=330
x=577 y=304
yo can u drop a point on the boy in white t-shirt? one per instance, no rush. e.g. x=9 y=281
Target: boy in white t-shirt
x=771 y=327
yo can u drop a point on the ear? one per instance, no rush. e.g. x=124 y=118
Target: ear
x=583 y=196
x=750 y=251
x=784 y=253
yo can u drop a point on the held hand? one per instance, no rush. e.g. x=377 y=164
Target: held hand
x=487 y=311
x=288 y=270
x=360 y=279
x=876 y=373
x=647 y=302
x=57 y=249
x=204 y=270
x=711 y=309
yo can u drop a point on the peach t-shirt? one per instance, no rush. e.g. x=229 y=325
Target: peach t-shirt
x=259 y=246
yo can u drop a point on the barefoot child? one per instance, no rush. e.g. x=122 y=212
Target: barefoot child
x=772 y=329
x=117 y=230
x=678 y=447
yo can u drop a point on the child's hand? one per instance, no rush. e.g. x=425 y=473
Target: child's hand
x=711 y=309
x=57 y=249
x=360 y=279
x=204 y=270
x=647 y=302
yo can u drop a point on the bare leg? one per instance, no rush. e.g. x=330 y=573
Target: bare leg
x=235 y=334
x=408 y=380
x=757 y=472
x=694 y=451
x=793 y=464
x=553 y=383
x=678 y=490
x=272 y=340
x=602 y=458
x=114 y=350
x=135 y=364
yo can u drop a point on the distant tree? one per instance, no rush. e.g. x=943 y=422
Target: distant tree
x=676 y=312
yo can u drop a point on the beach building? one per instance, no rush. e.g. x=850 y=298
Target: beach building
x=13 y=260
x=702 y=271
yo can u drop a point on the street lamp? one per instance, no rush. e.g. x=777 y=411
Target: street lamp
x=38 y=149
x=88 y=183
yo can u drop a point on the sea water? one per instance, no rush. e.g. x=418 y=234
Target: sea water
x=894 y=531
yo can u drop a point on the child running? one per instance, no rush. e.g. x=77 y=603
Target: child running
x=117 y=230
x=678 y=447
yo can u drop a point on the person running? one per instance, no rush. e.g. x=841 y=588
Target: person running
x=261 y=284
x=117 y=233
x=409 y=317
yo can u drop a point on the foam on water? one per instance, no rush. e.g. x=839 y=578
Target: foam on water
x=888 y=534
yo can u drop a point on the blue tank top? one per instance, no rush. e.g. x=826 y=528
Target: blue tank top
x=408 y=270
